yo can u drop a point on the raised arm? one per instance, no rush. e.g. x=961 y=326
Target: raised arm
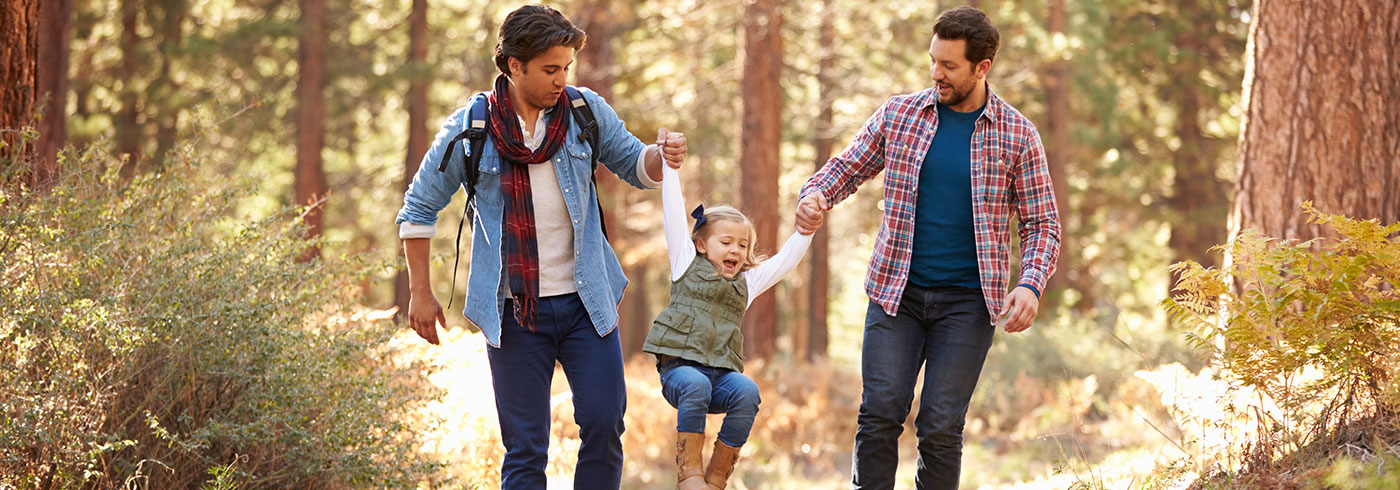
x=771 y=271
x=678 y=245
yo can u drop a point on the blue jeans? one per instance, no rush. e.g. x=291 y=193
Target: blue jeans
x=950 y=329
x=696 y=390
x=521 y=371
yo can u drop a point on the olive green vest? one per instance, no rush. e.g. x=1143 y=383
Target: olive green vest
x=702 y=321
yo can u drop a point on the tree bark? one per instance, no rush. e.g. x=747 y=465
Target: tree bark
x=597 y=65
x=1322 y=120
x=311 y=112
x=1199 y=201
x=758 y=159
x=128 y=120
x=1057 y=141
x=597 y=70
x=417 y=123
x=54 y=32
x=819 y=279
x=19 y=36
x=164 y=87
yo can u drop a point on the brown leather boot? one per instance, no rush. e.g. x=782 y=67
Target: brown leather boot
x=721 y=466
x=691 y=475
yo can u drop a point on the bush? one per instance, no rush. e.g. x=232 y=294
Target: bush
x=1313 y=325
x=153 y=340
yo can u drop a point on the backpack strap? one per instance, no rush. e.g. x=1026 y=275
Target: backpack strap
x=477 y=113
x=588 y=133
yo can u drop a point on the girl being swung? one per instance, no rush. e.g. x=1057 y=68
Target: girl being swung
x=715 y=276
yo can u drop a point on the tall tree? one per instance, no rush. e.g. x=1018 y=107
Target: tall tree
x=19 y=75
x=55 y=18
x=311 y=117
x=818 y=281
x=128 y=120
x=170 y=27
x=1057 y=117
x=417 y=119
x=1199 y=201
x=1322 y=119
x=758 y=155
x=605 y=21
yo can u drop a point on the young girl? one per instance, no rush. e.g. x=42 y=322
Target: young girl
x=696 y=339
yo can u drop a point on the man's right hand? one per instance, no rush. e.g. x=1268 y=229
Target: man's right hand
x=811 y=212
x=424 y=315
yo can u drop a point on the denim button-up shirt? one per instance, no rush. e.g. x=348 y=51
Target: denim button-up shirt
x=597 y=272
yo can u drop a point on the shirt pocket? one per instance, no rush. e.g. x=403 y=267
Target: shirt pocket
x=581 y=162
x=488 y=181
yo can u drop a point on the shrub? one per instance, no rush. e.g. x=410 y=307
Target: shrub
x=151 y=339
x=1313 y=325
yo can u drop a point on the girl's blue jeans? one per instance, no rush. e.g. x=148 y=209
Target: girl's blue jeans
x=696 y=390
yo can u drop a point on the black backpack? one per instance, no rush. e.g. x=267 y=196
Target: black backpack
x=478 y=113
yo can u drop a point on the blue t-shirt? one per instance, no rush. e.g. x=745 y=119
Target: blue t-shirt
x=945 y=249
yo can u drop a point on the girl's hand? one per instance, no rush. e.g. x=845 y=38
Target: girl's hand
x=811 y=213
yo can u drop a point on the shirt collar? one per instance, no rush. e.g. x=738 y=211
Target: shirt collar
x=929 y=96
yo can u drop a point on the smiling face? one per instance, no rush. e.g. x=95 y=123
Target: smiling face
x=539 y=82
x=726 y=245
x=956 y=78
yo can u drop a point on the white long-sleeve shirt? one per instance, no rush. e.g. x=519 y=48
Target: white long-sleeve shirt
x=682 y=249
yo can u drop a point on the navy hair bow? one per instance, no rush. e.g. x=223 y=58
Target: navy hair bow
x=699 y=215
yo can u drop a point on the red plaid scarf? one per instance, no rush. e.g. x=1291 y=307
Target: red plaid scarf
x=520 y=247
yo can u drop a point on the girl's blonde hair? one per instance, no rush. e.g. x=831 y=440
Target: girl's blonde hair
x=729 y=213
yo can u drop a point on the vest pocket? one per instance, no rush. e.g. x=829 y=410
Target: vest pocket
x=671 y=330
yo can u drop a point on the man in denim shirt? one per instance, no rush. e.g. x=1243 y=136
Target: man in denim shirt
x=544 y=284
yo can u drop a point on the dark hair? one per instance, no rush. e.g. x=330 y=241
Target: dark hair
x=972 y=25
x=534 y=29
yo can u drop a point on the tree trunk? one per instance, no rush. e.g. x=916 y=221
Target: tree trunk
x=311 y=120
x=164 y=88
x=597 y=70
x=1057 y=141
x=128 y=121
x=819 y=282
x=19 y=74
x=54 y=31
x=1322 y=120
x=417 y=123
x=597 y=65
x=1199 y=202
x=758 y=158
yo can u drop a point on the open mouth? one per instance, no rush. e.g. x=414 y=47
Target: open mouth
x=731 y=264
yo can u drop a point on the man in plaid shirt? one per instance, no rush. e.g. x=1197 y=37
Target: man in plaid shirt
x=959 y=162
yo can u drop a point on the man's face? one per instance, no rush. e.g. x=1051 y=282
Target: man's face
x=953 y=75
x=540 y=81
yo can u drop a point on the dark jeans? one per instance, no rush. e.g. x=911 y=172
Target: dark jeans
x=951 y=330
x=521 y=371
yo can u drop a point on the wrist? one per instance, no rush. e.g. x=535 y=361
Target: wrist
x=1030 y=287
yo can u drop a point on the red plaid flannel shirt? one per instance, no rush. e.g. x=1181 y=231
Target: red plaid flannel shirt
x=1009 y=176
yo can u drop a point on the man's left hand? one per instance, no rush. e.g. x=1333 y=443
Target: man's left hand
x=1020 y=310
x=672 y=147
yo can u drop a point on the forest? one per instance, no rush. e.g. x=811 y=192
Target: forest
x=202 y=283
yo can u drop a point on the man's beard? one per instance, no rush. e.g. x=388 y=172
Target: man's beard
x=955 y=96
